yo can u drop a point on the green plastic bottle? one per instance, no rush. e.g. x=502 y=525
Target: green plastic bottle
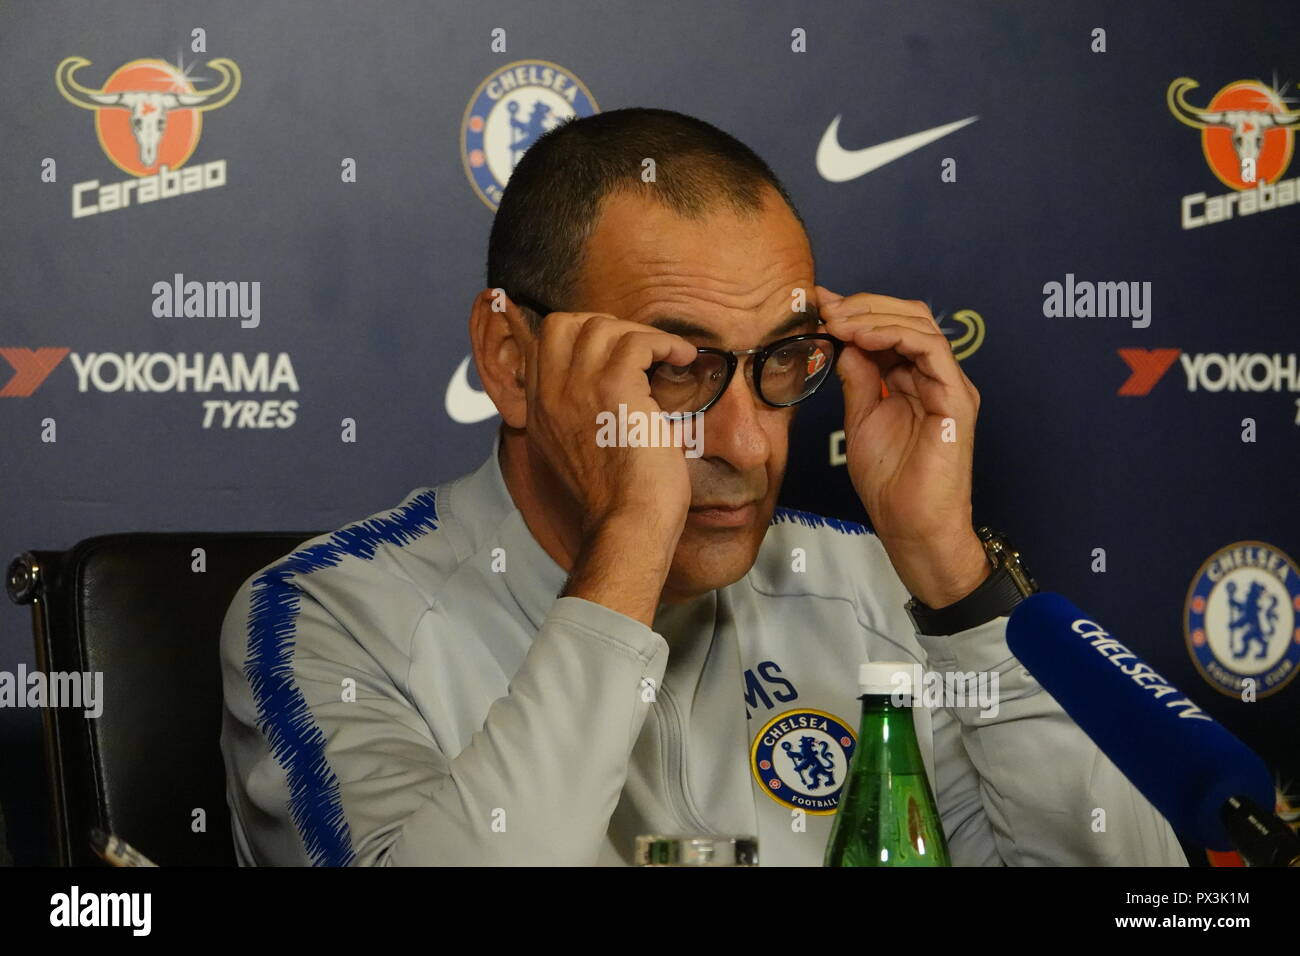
x=887 y=815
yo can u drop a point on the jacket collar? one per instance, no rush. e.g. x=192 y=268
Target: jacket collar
x=483 y=515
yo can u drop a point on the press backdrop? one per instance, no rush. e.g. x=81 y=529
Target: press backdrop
x=1145 y=462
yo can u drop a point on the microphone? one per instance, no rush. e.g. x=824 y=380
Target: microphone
x=1206 y=782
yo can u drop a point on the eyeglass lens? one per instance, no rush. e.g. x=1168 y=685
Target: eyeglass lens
x=791 y=373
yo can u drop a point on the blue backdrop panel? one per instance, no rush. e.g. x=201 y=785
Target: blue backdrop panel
x=1115 y=451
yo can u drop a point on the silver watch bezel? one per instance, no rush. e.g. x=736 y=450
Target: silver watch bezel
x=1002 y=554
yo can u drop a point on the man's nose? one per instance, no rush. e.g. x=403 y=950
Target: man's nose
x=733 y=427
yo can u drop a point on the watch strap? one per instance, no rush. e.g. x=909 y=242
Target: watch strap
x=997 y=595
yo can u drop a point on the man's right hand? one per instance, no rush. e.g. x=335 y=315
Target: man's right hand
x=634 y=501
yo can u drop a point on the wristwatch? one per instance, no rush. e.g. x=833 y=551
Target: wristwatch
x=1008 y=585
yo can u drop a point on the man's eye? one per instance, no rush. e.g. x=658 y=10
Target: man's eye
x=783 y=359
x=674 y=374
x=786 y=359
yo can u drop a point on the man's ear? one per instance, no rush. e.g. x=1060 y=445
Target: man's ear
x=499 y=356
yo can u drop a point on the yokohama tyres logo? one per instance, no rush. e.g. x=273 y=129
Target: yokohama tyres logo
x=1212 y=371
x=31 y=368
x=1148 y=366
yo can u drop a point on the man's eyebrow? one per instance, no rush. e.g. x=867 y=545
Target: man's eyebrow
x=688 y=329
x=797 y=320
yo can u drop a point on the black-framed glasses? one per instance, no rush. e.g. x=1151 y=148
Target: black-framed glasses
x=786 y=372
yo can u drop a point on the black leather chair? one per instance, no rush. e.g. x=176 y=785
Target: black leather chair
x=131 y=607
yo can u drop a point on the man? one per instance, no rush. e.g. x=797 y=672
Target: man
x=582 y=641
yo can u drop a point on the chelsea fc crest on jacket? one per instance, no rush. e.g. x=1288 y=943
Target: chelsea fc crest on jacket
x=801 y=759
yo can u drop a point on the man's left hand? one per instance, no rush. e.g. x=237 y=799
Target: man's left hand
x=909 y=454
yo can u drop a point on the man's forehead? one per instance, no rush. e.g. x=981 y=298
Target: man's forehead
x=691 y=324
x=692 y=276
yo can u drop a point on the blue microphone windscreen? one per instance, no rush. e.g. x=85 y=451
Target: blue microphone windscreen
x=1181 y=759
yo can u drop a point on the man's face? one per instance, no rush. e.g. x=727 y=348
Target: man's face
x=724 y=282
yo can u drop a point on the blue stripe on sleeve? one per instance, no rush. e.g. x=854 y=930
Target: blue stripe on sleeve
x=283 y=715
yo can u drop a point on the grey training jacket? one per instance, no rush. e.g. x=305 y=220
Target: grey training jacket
x=410 y=691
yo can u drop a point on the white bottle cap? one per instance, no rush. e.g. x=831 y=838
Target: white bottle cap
x=885 y=677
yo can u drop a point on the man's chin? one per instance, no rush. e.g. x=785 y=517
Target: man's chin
x=709 y=558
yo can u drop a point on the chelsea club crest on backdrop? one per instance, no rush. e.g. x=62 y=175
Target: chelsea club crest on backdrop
x=510 y=111
x=1240 y=619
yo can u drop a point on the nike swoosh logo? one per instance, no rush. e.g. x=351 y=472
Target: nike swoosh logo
x=838 y=165
x=465 y=403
